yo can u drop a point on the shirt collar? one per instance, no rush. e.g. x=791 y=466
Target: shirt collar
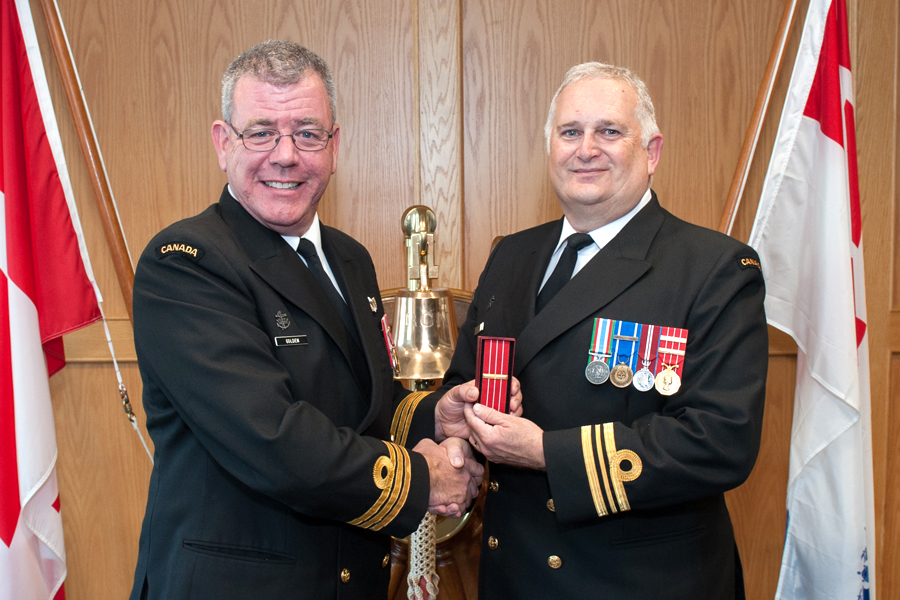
x=603 y=234
x=313 y=234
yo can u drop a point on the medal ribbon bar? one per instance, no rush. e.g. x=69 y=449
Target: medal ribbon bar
x=626 y=339
x=648 y=345
x=601 y=340
x=672 y=343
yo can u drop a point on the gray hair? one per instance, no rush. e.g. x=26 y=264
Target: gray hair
x=280 y=63
x=644 y=112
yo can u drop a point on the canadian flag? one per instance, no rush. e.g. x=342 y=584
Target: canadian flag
x=808 y=233
x=46 y=290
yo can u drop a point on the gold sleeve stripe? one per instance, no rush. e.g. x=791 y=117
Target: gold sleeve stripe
x=590 y=466
x=404 y=493
x=385 y=510
x=403 y=417
x=616 y=458
x=612 y=502
x=384 y=485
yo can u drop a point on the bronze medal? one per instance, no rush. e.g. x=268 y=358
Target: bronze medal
x=597 y=372
x=667 y=381
x=621 y=375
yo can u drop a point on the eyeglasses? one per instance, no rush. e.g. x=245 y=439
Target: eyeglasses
x=263 y=140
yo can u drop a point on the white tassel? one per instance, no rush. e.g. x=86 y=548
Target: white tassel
x=421 y=561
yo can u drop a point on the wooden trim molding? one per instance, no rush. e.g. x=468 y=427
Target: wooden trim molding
x=88 y=345
x=895 y=332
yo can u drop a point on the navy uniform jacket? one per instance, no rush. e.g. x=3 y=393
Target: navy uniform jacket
x=585 y=529
x=275 y=476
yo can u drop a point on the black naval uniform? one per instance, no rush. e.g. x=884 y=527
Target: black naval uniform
x=275 y=475
x=632 y=503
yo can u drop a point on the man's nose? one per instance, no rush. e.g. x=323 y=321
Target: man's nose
x=285 y=152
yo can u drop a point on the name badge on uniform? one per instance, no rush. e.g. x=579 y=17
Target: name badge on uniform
x=284 y=341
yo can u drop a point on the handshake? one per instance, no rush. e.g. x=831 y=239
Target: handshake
x=462 y=424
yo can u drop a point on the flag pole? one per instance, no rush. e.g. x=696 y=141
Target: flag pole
x=115 y=238
x=773 y=68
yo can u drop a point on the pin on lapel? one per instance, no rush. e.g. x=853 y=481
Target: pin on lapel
x=490 y=304
x=372 y=304
x=282 y=320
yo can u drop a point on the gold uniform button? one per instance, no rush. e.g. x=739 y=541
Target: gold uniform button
x=555 y=562
x=385 y=561
x=550 y=506
x=493 y=543
x=494 y=486
x=345 y=575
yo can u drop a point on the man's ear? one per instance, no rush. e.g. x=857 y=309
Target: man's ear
x=654 y=150
x=221 y=142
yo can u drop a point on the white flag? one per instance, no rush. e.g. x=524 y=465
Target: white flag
x=45 y=291
x=808 y=235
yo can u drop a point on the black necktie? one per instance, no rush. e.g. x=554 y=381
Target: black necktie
x=563 y=271
x=307 y=250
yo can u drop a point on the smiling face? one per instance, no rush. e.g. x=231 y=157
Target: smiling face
x=280 y=188
x=598 y=166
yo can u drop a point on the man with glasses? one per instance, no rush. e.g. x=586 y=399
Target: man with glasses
x=281 y=438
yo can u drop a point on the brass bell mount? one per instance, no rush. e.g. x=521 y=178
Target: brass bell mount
x=424 y=318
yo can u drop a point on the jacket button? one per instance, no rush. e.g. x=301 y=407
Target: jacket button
x=555 y=562
x=345 y=575
x=494 y=486
x=385 y=561
x=493 y=543
x=550 y=506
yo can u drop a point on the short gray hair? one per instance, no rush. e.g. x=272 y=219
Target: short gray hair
x=644 y=112
x=280 y=63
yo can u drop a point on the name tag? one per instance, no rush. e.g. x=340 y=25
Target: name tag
x=291 y=340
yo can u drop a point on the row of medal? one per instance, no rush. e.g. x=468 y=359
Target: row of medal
x=645 y=356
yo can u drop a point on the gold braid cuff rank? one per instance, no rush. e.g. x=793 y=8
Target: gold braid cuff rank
x=610 y=470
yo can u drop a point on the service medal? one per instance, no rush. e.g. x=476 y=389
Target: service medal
x=644 y=380
x=667 y=381
x=621 y=375
x=597 y=372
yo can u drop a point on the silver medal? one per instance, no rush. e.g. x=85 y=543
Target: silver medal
x=644 y=380
x=597 y=372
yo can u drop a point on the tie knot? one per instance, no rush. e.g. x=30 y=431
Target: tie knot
x=307 y=249
x=577 y=241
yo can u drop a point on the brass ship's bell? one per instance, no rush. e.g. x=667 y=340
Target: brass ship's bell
x=424 y=318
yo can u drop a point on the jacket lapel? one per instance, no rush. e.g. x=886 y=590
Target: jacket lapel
x=613 y=270
x=279 y=266
x=353 y=288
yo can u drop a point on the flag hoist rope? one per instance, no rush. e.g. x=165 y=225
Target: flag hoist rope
x=106 y=204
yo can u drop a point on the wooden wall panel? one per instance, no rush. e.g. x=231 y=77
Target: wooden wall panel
x=702 y=63
x=440 y=130
x=103 y=473
x=152 y=71
x=758 y=507
x=889 y=560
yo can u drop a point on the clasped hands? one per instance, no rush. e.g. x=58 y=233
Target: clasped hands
x=460 y=424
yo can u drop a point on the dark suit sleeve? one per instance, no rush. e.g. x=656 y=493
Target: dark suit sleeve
x=213 y=384
x=705 y=438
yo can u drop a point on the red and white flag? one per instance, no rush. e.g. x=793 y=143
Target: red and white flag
x=809 y=236
x=46 y=291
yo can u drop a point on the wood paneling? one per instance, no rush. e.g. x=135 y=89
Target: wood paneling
x=702 y=63
x=440 y=130
x=442 y=103
x=758 y=506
